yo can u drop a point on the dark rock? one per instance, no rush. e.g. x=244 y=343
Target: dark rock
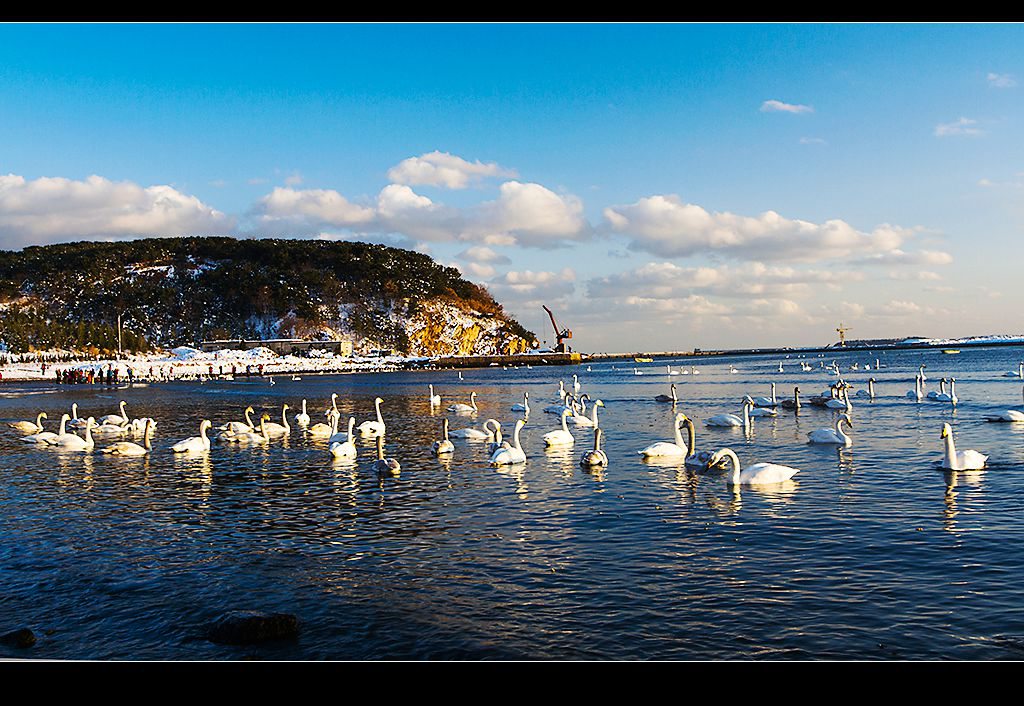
x=245 y=627
x=19 y=638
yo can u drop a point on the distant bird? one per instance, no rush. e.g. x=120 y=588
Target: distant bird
x=832 y=436
x=460 y=408
x=595 y=457
x=30 y=427
x=435 y=400
x=130 y=448
x=969 y=460
x=443 y=445
x=385 y=466
x=757 y=474
x=668 y=398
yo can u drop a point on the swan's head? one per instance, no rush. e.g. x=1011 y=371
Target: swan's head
x=264 y=417
x=716 y=458
x=472 y=395
x=520 y=423
x=204 y=425
x=680 y=418
x=285 y=407
x=598 y=403
x=566 y=412
x=250 y=410
x=65 y=417
x=846 y=418
x=378 y=400
x=42 y=415
x=946 y=431
x=90 y=422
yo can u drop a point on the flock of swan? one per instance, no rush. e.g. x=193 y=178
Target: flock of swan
x=570 y=405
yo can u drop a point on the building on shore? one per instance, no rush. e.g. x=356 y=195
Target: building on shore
x=281 y=346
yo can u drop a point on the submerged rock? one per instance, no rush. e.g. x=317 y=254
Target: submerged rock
x=19 y=638
x=244 y=627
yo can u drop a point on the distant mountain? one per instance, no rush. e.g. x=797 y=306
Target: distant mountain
x=179 y=291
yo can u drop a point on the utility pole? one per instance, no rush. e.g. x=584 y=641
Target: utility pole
x=119 y=335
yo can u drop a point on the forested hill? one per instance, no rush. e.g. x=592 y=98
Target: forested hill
x=178 y=291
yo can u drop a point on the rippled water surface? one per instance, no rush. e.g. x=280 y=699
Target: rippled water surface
x=868 y=553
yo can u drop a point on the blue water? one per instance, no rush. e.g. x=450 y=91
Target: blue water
x=869 y=553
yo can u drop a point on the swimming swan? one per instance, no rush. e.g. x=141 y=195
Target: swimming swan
x=302 y=419
x=663 y=449
x=560 y=437
x=525 y=406
x=595 y=457
x=374 y=427
x=757 y=474
x=581 y=420
x=460 y=408
x=766 y=401
x=668 y=398
x=444 y=444
x=130 y=448
x=195 y=444
x=435 y=400
x=830 y=436
x=47 y=437
x=73 y=442
x=346 y=448
x=385 y=466
x=122 y=418
x=513 y=454
x=969 y=460
x=276 y=429
x=240 y=427
x=30 y=427
x=731 y=420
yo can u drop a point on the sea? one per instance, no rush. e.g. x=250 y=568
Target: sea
x=870 y=552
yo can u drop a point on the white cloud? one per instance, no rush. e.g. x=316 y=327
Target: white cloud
x=899 y=257
x=774 y=106
x=529 y=289
x=915 y=275
x=309 y=209
x=963 y=126
x=1000 y=80
x=529 y=214
x=293 y=179
x=55 y=209
x=475 y=270
x=445 y=170
x=812 y=141
x=483 y=255
x=666 y=226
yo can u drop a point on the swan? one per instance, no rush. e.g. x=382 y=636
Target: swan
x=842 y=402
x=697 y=459
x=917 y=393
x=130 y=448
x=953 y=460
x=731 y=420
x=279 y=429
x=346 y=448
x=321 y=429
x=110 y=428
x=338 y=435
x=830 y=436
x=435 y=400
x=139 y=424
x=302 y=418
x=560 y=437
x=513 y=454
x=472 y=434
x=30 y=427
x=239 y=427
x=870 y=392
x=443 y=445
x=73 y=442
x=385 y=466
x=1010 y=415
x=766 y=401
x=251 y=437
x=460 y=375
x=75 y=421
x=662 y=449
x=374 y=427
x=668 y=398
x=921 y=372
x=733 y=370
x=581 y=420
x=780 y=367
x=460 y=408
x=760 y=411
x=794 y=403
x=595 y=457
x=1019 y=373
x=557 y=408
x=561 y=391
x=951 y=397
x=497 y=442
x=195 y=444
x=575 y=384
x=525 y=406
x=47 y=437
x=115 y=418
x=934 y=395
x=757 y=474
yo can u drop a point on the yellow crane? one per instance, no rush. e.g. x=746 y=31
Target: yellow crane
x=842 y=333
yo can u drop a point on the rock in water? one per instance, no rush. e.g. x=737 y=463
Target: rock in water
x=19 y=638
x=245 y=627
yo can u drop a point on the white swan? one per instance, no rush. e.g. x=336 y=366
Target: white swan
x=581 y=420
x=1019 y=373
x=662 y=449
x=302 y=418
x=374 y=427
x=30 y=427
x=917 y=393
x=385 y=466
x=122 y=418
x=195 y=444
x=951 y=397
x=239 y=427
x=47 y=437
x=668 y=398
x=444 y=444
x=561 y=391
x=697 y=459
x=130 y=448
x=843 y=402
x=766 y=401
x=870 y=392
x=575 y=384
x=111 y=428
x=757 y=474
x=595 y=457
x=560 y=437
x=731 y=420
x=513 y=454
x=832 y=436
x=73 y=442
x=921 y=372
x=346 y=448
x=1010 y=415
x=251 y=437
x=497 y=442
x=320 y=429
x=435 y=400
x=525 y=406
x=460 y=408
x=761 y=411
x=934 y=395
x=969 y=460
x=75 y=421
x=338 y=435
x=275 y=429
x=471 y=434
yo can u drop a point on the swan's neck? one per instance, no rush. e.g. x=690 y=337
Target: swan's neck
x=594 y=414
x=746 y=416
x=446 y=429
x=515 y=437
x=304 y=406
x=124 y=414
x=202 y=431
x=472 y=402
x=691 y=435
x=871 y=388
x=734 y=478
x=951 y=453
x=284 y=418
x=74 y=410
x=376 y=405
x=63 y=419
x=39 y=420
x=773 y=391
x=942 y=386
x=565 y=427
x=679 y=436
x=248 y=420
x=352 y=424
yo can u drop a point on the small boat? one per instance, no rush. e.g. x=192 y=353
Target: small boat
x=643 y=360
x=951 y=351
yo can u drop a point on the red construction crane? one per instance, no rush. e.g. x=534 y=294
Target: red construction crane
x=560 y=336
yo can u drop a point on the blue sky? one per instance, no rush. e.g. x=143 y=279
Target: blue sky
x=661 y=186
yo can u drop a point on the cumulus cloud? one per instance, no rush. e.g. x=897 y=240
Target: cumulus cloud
x=475 y=270
x=484 y=255
x=915 y=275
x=444 y=170
x=774 y=106
x=664 y=225
x=1000 y=80
x=530 y=214
x=963 y=126
x=900 y=257
x=531 y=289
x=55 y=209
x=309 y=209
